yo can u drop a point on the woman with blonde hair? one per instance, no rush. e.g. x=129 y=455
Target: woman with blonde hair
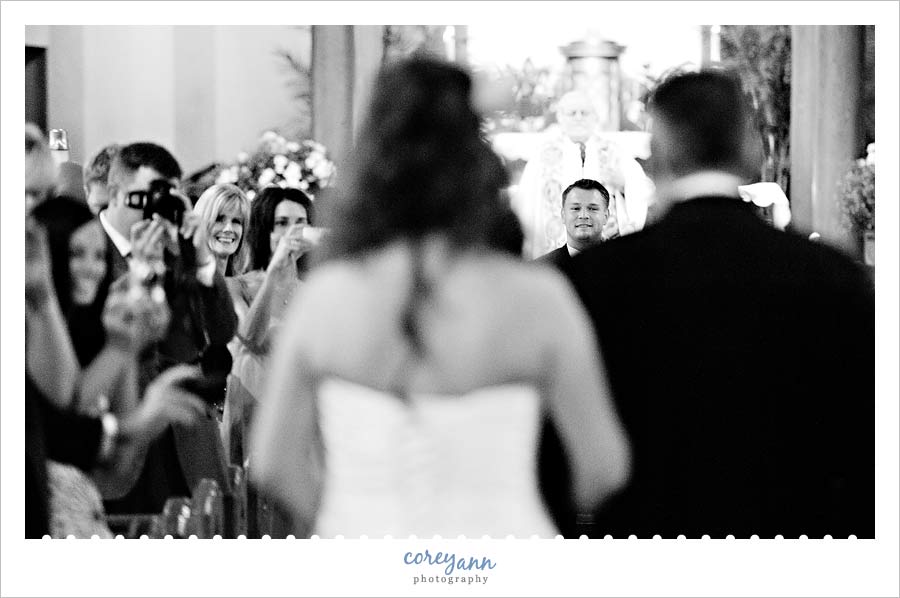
x=225 y=211
x=278 y=246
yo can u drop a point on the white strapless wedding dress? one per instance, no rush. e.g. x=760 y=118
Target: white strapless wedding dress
x=443 y=465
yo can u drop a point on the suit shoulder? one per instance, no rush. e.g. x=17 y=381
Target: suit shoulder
x=618 y=251
x=843 y=273
x=818 y=261
x=555 y=257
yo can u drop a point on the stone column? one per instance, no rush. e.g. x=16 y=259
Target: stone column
x=195 y=102
x=368 y=51
x=593 y=67
x=332 y=88
x=345 y=60
x=826 y=124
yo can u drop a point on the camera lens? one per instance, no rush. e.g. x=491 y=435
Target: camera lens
x=162 y=202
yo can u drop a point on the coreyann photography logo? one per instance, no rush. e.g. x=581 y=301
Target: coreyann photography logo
x=448 y=568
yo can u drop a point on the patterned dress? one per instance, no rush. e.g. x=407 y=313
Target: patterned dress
x=560 y=162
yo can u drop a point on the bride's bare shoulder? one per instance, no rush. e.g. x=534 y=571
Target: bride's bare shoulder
x=347 y=289
x=330 y=283
x=528 y=284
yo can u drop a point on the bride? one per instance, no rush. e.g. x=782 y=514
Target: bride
x=412 y=373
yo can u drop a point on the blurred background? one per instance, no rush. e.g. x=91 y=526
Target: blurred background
x=211 y=93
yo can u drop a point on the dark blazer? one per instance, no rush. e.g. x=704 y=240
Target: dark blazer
x=115 y=262
x=743 y=370
x=558 y=257
x=51 y=433
x=181 y=457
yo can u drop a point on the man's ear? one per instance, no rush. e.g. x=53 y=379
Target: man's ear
x=112 y=193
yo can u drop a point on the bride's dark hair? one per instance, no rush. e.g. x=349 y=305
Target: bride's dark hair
x=420 y=165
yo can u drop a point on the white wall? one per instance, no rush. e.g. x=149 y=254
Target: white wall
x=206 y=92
x=129 y=88
x=252 y=82
x=37 y=35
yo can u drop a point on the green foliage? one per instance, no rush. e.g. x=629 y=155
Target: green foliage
x=761 y=54
x=300 y=83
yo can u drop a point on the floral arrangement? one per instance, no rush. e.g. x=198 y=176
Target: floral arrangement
x=302 y=165
x=857 y=193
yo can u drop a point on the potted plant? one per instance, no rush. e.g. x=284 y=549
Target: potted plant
x=857 y=202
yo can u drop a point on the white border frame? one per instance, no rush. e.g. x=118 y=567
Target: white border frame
x=619 y=567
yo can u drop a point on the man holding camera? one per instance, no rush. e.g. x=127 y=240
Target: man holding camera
x=160 y=248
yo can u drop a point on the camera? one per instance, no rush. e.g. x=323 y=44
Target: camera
x=145 y=278
x=211 y=390
x=313 y=234
x=160 y=200
x=215 y=365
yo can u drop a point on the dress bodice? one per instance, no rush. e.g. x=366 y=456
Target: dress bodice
x=430 y=463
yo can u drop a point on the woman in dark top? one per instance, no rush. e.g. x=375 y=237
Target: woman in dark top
x=78 y=253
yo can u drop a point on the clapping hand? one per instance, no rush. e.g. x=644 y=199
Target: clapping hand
x=149 y=239
x=291 y=246
x=611 y=226
x=192 y=228
x=133 y=323
x=165 y=402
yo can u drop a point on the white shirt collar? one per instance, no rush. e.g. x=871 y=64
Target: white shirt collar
x=122 y=244
x=572 y=251
x=708 y=183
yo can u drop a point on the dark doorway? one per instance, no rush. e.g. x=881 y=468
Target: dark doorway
x=36 y=86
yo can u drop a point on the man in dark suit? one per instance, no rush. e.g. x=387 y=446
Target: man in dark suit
x=585 y=214
x=202 y=316
x=742 y=360
x=86 y=442
x=53 y=430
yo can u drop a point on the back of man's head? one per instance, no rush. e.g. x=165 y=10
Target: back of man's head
x=96 y=172
x=132 y=157
x=702 y=121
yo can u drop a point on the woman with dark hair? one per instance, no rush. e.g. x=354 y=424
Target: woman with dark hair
x=278 y=244
x=107 y=333
x=278 y=247
x=409 y=384
x=78 y=253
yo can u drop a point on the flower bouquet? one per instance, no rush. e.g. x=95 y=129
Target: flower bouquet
x=302 y=165
x=857 y=201
x=857 y=196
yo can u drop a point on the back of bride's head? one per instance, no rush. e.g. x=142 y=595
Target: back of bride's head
x=420 y=165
